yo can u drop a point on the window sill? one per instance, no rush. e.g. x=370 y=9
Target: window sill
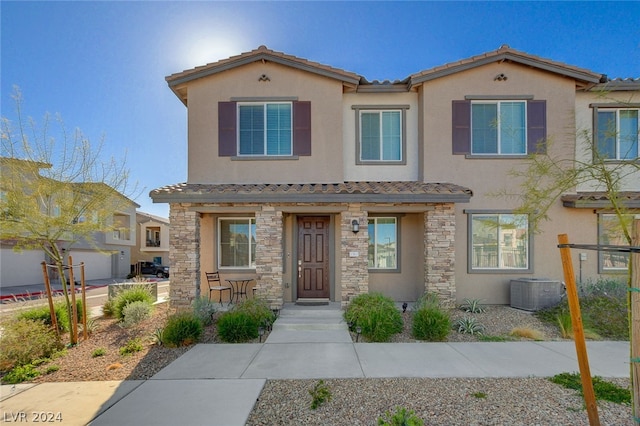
x=500 y=271
x=384 y=271
x=380 y=163
x=496 y=156
x=263 y=157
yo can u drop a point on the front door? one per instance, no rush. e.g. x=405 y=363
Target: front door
x=313 y=257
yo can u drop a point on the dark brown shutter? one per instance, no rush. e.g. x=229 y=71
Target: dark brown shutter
x=302 y=128
x=461 y=131
x=537 y=127
x=227 y=129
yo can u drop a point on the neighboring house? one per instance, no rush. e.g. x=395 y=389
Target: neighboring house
x=152 y=239
x=323 y=185
x=106 y=257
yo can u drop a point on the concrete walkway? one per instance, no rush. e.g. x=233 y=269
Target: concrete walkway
x=306 y=343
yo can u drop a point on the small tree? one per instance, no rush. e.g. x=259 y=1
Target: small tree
x=55 y=189
x=544 y=179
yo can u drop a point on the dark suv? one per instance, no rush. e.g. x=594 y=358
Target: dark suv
x=151 y=268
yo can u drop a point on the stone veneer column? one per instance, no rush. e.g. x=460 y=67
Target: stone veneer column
x=439 y=251
x=184 y=255
x=354 y=273
x=269 y=253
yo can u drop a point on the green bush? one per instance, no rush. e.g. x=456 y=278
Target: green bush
x=132 y=346
x=129 y=295
x=43 y=314
x=20 y=373
x=320 y=393
x=376 y=314
x=401 y=417
x=237 y=326
x=24 y=340
x=603 y=390
x=431 y=324
x=258 y=310
x=135 y=312
x=182 y=329
x=204 y=310
x=427 y=300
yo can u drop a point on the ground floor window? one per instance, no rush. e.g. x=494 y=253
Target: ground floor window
x=237 y=242
x=383 y=243
x=610 y=233
x=499 y=241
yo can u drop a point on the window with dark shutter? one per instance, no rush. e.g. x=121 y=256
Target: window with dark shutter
x=461 y=131
x=227 y=129
x=537 y=127
x=302 y=128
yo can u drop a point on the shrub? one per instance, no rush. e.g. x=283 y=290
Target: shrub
x=527 y=333
x=237 y=326
x=258 y=310
x=98 y=352
x=602 y=389
x=472 y=306
x=182 y=329
x=129 y=295
x=204 y=310
x=135 y=312
x=469 y=325
x=20 y=373
x=401 y=417
x=107 y=308
x=43 y=314
x=376 y=314
x=431 y=324
x=319 y=394
x=427 y=300
x=23 y=341
x=566 y=326
x=132 y=346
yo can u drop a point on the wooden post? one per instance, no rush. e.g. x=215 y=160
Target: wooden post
x=47 y=287
x=74 y=307
x=634 y=337
x=85 y=332
x=578 y=331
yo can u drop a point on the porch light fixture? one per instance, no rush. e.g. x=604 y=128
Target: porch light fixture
x=355 y=226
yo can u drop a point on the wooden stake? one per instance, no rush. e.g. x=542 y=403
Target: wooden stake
x=85 y=332
x=74 y=307
x=47 y=287
x=634 y=304
x=578 y=331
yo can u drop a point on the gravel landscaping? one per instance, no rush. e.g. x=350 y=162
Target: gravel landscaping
x=523 y=401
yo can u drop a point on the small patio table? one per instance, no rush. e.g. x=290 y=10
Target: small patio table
x=239 y=287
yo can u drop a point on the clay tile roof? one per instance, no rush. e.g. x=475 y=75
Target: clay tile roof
x=590 y=200
x=259 y=54
x=618 y=84
x=407 y=192
x=507 y=53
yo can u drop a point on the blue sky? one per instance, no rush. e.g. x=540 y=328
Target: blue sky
x=101 y=65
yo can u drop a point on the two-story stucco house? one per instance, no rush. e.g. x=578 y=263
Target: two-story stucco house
x=322 y=185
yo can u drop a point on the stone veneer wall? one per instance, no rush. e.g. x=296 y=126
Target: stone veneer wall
x=184 y=255
x=354 y=273
x=269 y=255
x=439 y=251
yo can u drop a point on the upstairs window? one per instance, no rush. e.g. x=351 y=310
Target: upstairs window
x=264 y=129
x=498 y=128
x=617 y=134
x=274 y=129
x=506 y=127
x=380 y=136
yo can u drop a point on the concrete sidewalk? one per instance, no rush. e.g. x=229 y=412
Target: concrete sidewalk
x=227 y=379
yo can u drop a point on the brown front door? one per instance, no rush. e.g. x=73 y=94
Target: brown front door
x=313 y=257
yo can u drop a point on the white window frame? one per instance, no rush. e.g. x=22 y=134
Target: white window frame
x=251 y=221
x=264 y=136
x=471 y=268
x=396 y=252
x=617 y=132
x=498 y=126
x=380 y=134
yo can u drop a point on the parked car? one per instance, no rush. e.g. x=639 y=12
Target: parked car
x=152 y=268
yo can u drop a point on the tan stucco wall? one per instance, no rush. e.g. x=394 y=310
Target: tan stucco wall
x=324 y=166
x=484 y=176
